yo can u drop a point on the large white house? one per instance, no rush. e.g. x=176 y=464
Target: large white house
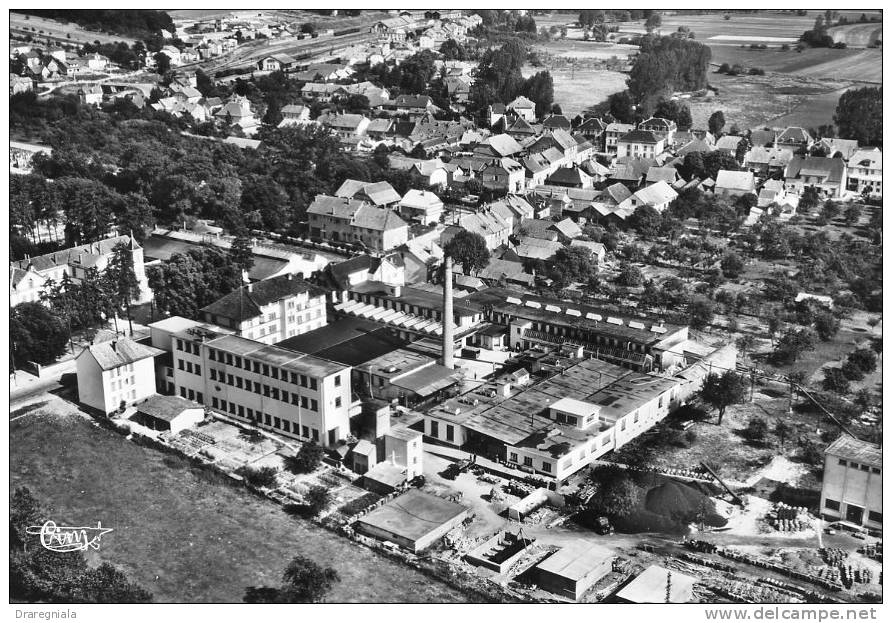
x=115 y=373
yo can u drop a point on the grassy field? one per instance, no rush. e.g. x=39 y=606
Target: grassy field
x=70 y=33
x=181 y=533
x=576 y=90
x=848 y=64
x=713 y=28
x=857 y=35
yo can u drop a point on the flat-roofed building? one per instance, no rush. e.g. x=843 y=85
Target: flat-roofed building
x=852 y=487
x=403 y=447
x=289 y=392
x=651 y=585
x=414 y=520
x=405 y=376
x=573 y=569
x=168 y=414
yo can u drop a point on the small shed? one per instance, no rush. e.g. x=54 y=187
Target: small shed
x=168 y=413
x=414 y=520
x=364 y=455
x=651 y=585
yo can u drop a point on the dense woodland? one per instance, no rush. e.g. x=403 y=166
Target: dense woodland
x=139 y=23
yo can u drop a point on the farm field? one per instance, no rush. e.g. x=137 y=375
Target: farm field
x=70 y=33
x=576 y=90
x=586 y=49
x=774 y=100
x=848 y=64
x=857 y=35
x=713 y=28
x=183 y=533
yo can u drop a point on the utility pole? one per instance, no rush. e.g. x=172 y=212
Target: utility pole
x=752 y=382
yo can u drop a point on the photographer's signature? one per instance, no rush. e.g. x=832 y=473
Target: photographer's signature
x=69 y=538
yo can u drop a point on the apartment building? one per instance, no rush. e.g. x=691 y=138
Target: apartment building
x=270 y=311
x=342 y=219
x=115 y=373
x=285 y=391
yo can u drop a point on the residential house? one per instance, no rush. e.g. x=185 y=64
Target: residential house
x=734 y=183
x=25 y=286
x=612 y=134
x=502 y=272
x=598 y=250
x=431 y=173
x=294 y=114
x=96 y=61
x=364 y=268
x=522 y=107
x=348 y=220
x=530 y=250
x=728 y=144
x=766 y=161
x=836 y=148
x=865 y=172
x=495 y=113
x=347 y=126
x=570 y=177
x=237 y=113
x=640 y=143
x=498 y=146
x=556 y=122
x=323 y=92
x=489 y=225
x=522 y=129
x=412 y=105
x=794 y=139
x=115 y=374
x=90 y=94
x=826 y=174
x=593 y=129
x=20 y=84
x=421 y=206
x=380 y=194
x=503 y=174
x=662 y=128
x=658 y=196
x=666 y=174
x=695 y=145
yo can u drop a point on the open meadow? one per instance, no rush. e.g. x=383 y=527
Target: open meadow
x=849 y=64
x=185 y=534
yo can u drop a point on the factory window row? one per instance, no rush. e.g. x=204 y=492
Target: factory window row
x=265 y=390
x=189 y=367
x=191 y=394
x=264 y=418
x=862 y=467
x=188 y=347
x=265 y=369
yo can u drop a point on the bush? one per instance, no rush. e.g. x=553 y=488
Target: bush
x=359 y=504
x=723 y=68
x=307 y=459
x=835 y=381
x=851 y=371
x=757 y=71
x=318 y=499
x=864 y=359
x=258 y=477
x=756 y=430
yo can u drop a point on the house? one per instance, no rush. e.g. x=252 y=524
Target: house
x=666 y=174
x=538 y=228
x=501 y=272
x=348 y=220
x=593 y=130
x=116 y=373
x=852 y=484
x=170 y=414
x=25 y=286
x=639 y=144
x=662 y=128
x=503 y=174
x=348 y=125
x=566 y=230
x=96 y=61
x=421 y=206
x=826 y=174
x=271 y=310
x=556 y=122
x=237 y=113
x=75 y=261
x=865 y=172
x=612 y=133
x=380 y=194
x=530 y=249
x=794 y=139
x=495 y=113
x=276 y=62
x=459 y=90
x=767 y=160
x=695 y=145
x=20 y=84
x=728 y=144
x=90 y=94
x=570 y=177
x=522 y=107
x=294 y=114
x=486 y=223
x=412 y=105
x=363 y=268
x=658 y=196
x=522 y=129
x=598 y=250
x=431 y=173
x=498 y=146
x=836 y=148
x=734 y=183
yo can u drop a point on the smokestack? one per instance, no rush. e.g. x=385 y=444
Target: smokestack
x=448 y=340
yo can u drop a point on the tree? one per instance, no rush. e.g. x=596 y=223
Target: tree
x=162 y=63
x=859 y=115
x=851 y=371
x=468 y=249
x=629 y=276
x=722 y=391
x=791 y=345
x=241 y=253
x=756 y=430
x=318 y=499
x=304 y=581
x=835 y=381
x=617 y=495
x=783 y=430
x=653 y=22
x=573 y=265
x=539 y=88
x=852 y=214
x=702 y=311
x=106 y=585
x=646 y=221
x=122 y=284
x=452 y=50
x=865 y=359
x=674 y=110
x=307 y=459
x=258 y=476
x=36 y=333
x=829 y=210
x=826 y=325
x=732 y=265
x=716 y=123
x=745 y=344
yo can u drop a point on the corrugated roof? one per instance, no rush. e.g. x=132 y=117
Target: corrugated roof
x=847 y=447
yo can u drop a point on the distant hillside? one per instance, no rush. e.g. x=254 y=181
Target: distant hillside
x=138 y=23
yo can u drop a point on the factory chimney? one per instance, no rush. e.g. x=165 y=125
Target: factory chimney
x=448 y=340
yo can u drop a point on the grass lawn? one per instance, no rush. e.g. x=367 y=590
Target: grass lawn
x=848 y=64
x=181 y=533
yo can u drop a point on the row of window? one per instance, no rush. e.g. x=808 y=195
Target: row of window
x=834 y=505
x=862 y=467
x=266 y=369
x=189 y=367
x=191 y=394
x=270 y=392
x=188 y=347
x=435 y=430
x=565 y=463
x=264 y=418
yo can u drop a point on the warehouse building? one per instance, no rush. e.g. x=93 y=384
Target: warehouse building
x=574 y=569
x=414 y=520
x=852 y=488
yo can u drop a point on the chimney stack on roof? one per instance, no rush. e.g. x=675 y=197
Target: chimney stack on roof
x=448 y=340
